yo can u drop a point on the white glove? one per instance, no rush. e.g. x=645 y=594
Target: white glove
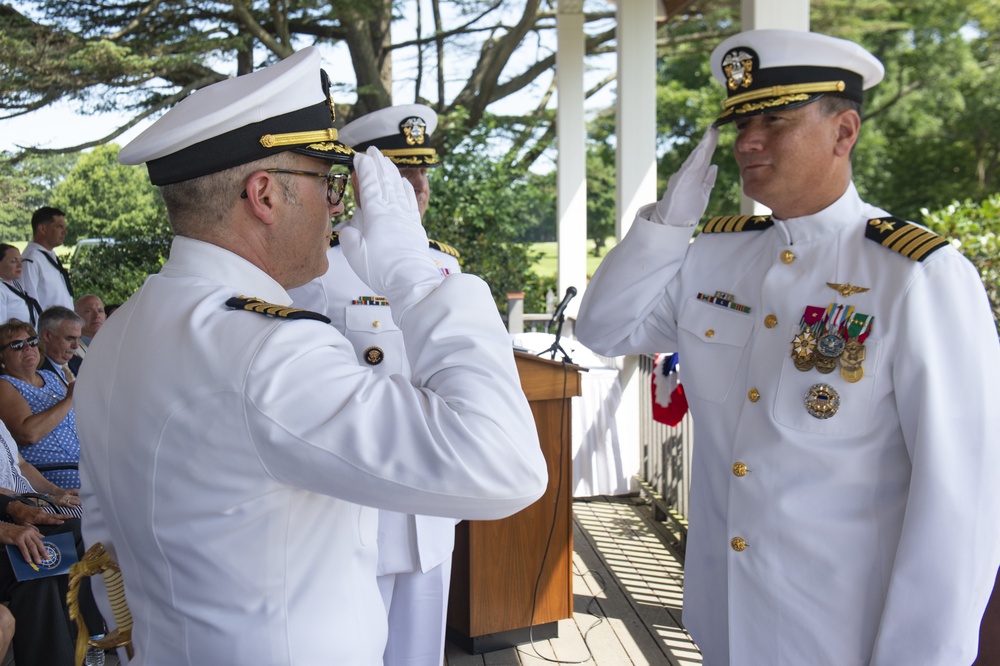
x=688 y=190
x=384 y=241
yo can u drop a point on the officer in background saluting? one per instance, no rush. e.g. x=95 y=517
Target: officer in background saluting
x=843 y=372
x=414 y=552
x=230 y=472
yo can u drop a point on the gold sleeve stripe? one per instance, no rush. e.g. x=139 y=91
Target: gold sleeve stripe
x=257 y=305
x=443 y=247
x=731 y=223
x=908 y=239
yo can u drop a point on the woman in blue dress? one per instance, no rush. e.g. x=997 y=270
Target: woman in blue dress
x=37 y=407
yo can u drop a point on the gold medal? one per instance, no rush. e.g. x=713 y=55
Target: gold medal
x=852 y=375
x=851 y=361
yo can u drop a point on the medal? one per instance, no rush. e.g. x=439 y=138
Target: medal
x=854 y=353
x=822 y=401
x=804 y=342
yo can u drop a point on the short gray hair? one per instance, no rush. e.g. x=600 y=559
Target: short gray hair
x=201 y=204
x=56 y=315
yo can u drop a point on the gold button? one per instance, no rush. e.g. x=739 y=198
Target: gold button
x=740 y=469
x=376 y=323
x=753 y=394
x=770 y=321
x=787 y=257
x=710 y=333
x=739 y=544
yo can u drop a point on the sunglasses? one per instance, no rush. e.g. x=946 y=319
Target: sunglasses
x=18 y=345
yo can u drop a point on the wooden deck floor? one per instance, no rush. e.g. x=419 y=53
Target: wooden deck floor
x=627 y=589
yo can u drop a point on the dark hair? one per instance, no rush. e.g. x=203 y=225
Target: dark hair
x=4 y=249
x=44 y=215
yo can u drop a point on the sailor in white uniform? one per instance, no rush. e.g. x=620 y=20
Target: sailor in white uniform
x=843 y=371
x=230 y=472
x=414 y=552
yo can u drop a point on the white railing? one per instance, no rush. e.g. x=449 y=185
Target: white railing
x=665 y=467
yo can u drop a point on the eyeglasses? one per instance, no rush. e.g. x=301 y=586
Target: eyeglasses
x=18 y=345
x=336 y=183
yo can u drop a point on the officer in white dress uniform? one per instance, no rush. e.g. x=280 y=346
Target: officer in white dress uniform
x=414 y=552
x=45 y=278
x=843 y=371
x=231 y=471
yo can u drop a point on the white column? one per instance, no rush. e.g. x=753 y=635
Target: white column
x=636 y=111
x=760 y=14
x=571 y=178
x=784 y=14
x=636 y=166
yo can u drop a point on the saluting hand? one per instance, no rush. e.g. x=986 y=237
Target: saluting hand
x=384 y=242
x=688 y=190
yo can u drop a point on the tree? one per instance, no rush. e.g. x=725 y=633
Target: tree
x=24 y=187
x=974 y=228
x=143 y=57
x=105 y=199
x=477 y=205
x=931 y=130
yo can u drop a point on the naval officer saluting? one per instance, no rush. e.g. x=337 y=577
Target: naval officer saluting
x=232 y=478
x=843 y=371
x=414 y=552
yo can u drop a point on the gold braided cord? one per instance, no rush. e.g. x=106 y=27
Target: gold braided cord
x=406 y=152
x=298 y=138
x=331 y=146
x=771 y=103
x=785 y=91
x=97 y=561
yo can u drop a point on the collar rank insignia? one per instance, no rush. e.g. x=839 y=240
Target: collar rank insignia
x=272 y=310
x=335 y=239
x=443 y=247
x=910 y=240
x=728 y=223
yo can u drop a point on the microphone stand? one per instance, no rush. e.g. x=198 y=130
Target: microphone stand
x=556 y=347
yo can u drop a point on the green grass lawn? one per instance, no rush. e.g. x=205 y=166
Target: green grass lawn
x=547 y=265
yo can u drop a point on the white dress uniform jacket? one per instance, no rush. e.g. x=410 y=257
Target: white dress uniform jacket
x=871 y=536
x=236 y=455
x=41 y=279
x=12 y=306
x=406 y=542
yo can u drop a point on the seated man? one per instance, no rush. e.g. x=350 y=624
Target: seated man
x=59 y=331
x=44 y=635
x=91 y=310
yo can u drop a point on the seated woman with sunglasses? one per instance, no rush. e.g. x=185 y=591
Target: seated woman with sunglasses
x=38 y=409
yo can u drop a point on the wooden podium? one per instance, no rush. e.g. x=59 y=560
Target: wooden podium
x=499 y=564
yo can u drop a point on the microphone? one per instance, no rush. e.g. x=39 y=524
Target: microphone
x=561 y=308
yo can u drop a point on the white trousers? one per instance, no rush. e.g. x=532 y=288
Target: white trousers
x=417 y=606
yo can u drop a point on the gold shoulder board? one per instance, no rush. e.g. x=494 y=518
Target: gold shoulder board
x=272 y=310
x=909 y=239
x=443 y=247
x=727 y=223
